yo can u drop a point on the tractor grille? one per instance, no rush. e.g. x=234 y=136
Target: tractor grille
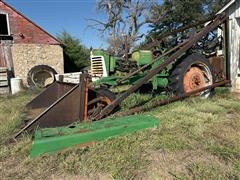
x=97 y=66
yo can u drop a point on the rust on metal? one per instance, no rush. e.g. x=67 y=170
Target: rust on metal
x=54 y=113
x=218 y=67
x=61 y=106
x=94 y=101
x=211 y=26
x=67 y=104
x=50 y=95
x=171 y=99
x=193 y=79
x=80 y=102
x=82 y=96
x=86 y=102
x=96 y=105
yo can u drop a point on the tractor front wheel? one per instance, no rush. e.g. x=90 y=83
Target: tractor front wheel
x=192 y=73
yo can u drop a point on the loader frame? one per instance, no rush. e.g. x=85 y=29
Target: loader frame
x=69 y=102
x=190 y=42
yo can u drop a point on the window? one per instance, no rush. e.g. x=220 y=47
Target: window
x=4 y=29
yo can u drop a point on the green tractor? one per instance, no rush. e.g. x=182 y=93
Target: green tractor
x=184 y=70
x=190 y=72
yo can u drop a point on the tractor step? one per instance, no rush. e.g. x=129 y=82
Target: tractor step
x=51 y=140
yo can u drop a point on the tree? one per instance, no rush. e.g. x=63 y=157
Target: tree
x=76 y=55
x=175 y=14
x=124 y=20
x=214 y=6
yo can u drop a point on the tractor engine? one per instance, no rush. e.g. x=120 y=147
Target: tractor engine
x=105 y=65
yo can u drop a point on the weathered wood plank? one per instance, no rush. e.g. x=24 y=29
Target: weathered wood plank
x=3 y=83
x=3 y=78
x=3 y=69
x=6 y=54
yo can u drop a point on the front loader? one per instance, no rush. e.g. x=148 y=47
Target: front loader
x=179 y=70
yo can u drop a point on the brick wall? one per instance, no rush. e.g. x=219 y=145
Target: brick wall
x=26 y=56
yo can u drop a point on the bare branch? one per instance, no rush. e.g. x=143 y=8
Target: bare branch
x=123 y=17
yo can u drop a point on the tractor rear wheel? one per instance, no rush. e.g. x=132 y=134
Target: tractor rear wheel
x=103 y=98
x=107 y=93
x=192 y=73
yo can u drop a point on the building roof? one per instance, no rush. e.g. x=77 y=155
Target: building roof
x=29 y=20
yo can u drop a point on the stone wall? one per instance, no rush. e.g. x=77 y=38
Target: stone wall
x=26 y=56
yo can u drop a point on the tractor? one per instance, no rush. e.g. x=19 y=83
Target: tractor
x=191 y=67
x=190 y=72
x=76 y=112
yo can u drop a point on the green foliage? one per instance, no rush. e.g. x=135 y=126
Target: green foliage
x=174 y=14
x=76 y=55
x=215 y=5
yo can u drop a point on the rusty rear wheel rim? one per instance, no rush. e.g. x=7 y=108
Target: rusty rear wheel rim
x=98 y=106
x=198 y=76
x=193 y=79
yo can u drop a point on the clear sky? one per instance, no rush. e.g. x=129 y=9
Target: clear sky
x=57 y=15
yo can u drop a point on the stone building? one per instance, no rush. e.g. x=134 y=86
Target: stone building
x=25 y=47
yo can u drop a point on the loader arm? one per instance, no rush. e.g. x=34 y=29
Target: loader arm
x=211 y=26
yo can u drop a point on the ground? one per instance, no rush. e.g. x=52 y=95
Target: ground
x=197 y=139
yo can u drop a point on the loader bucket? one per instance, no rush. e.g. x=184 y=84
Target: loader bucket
x=63 y=104
x=49 y=95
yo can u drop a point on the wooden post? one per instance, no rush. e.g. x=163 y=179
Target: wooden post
x=86 y=100
x=82 y=98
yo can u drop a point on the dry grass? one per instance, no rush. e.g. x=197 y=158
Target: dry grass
x=196 y=139
x=12 y=114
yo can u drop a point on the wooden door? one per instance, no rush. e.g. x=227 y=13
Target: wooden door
x=2 y=57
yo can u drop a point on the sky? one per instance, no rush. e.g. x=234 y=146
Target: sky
x=55 y=16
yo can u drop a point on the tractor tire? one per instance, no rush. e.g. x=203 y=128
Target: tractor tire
x=107 y=97
x=192 y=73
x=107 y=93
x=41 y=76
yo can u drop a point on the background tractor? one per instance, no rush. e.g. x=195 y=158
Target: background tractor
x=190 y=72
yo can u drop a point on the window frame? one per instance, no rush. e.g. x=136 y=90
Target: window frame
x=8 y=25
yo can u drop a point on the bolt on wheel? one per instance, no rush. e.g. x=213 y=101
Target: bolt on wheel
x=191 y=74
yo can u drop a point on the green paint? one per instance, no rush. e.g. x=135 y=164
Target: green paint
x=142 y=57
x=110 y=61
x=159 y=81
x=110 y=80
x=55 y=139
x=112 y=64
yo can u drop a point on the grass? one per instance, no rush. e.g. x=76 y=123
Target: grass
x=197 y=139
x=12 y=113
